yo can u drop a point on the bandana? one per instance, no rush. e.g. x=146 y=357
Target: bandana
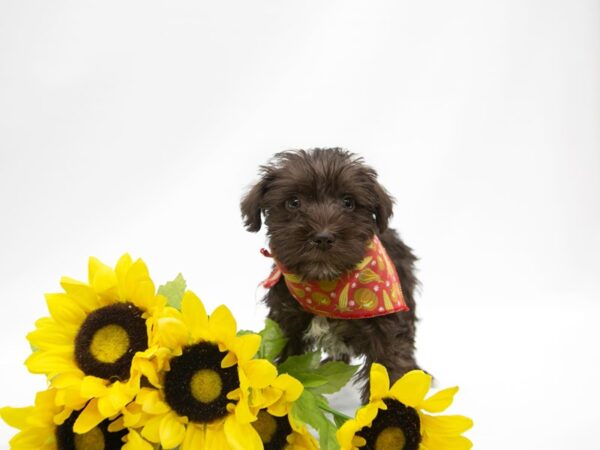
x=371 y=289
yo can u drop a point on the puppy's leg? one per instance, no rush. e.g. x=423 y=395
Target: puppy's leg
x=389 y=342
x=290 y=317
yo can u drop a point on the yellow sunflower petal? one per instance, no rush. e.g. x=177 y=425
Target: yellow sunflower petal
x=260 y=372
x=144 y=296
x=194 y=438
x=446 y=442
x=106 y=407
x=243 y=414
x=65 y=380
x=102 y=278
x=229 y=360
x=194 y=315
x=60 y=418
x=82 y=293
x=221 y=324
x=380 y=382
x=279 y=408
x=358 y=441
x=123 y=265
x=270 y=395
x=246 y=346
x=301 y=439
x=30 y=439
x=291 y=387
x=151 y=430
x=89 y=418
x=241 y=436
x=16 y=417
x=411 y=388
x=172 y=332
x=121 y=269
x=119 y=394
x=439 y=401
x=93 y=387
x=136 y=442
x=51 y=362
x=346 y=433
x=215 y=439
x=171 y=431
x=446 y=425
x=116 y=425
x=147 y=369
x=366 y=414
x=151 y=402
x=49 y=336
x=64 y=310
x=138 y=285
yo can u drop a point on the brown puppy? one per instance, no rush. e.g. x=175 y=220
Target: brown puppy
x=322 y=207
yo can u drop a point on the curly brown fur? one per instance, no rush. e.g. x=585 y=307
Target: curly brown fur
x=303 y=194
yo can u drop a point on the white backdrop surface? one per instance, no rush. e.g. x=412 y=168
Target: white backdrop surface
x=136 y=126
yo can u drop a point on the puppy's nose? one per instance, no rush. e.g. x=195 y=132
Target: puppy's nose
x=324 y=240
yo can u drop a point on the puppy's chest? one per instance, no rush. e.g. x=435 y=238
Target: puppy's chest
x=323 y=335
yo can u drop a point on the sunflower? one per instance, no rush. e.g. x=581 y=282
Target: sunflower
x=395 y=419
x=283 y=433
x=277 y=428
x=38 y=431
x=88 y=345
x=202 y=395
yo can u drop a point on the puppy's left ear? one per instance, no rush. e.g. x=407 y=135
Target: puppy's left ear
x=384 y=207
x=252 y=205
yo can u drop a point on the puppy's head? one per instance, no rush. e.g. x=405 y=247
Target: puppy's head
x=321 y=208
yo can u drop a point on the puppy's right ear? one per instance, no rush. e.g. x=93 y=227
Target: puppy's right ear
x=252 y=205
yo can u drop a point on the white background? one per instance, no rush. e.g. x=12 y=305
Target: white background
x=137 y=126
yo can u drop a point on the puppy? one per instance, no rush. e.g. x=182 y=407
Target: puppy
x=325 y=212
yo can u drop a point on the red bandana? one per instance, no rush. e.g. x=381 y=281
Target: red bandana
x=371 y=289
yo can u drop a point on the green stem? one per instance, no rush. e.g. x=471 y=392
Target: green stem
x=325 y=407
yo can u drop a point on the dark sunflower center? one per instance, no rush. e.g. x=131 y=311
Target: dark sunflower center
x=98 y=438
x=273 y=431
x=108 y=339
x=397 y=428
x=197 y=386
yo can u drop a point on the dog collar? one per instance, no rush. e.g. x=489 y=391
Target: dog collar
x=371 y=289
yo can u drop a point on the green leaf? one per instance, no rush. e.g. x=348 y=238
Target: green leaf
x=337 y=374
x=338 y=417
x=339 y=420
x=306 y=409
x=309 y=379
x=272 y=341
x=300 y=363
x=173 y=291
x=243 y=332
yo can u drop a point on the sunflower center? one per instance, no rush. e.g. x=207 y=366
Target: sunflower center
x=196 y=386
x=98 y=438
x=273 y=431
x=92 y=440
x=391 y=438
x=108 y=339
x=206 y=385
x=396 y=428
x=109 y=343
x=265 y=425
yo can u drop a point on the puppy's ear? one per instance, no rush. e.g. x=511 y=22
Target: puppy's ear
x=384 y=207
x=252 y=205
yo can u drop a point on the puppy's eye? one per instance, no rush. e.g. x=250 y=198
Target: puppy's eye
x=348 y=202
x=292 y=203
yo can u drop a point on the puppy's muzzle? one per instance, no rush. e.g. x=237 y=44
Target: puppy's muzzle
x=323 y=240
